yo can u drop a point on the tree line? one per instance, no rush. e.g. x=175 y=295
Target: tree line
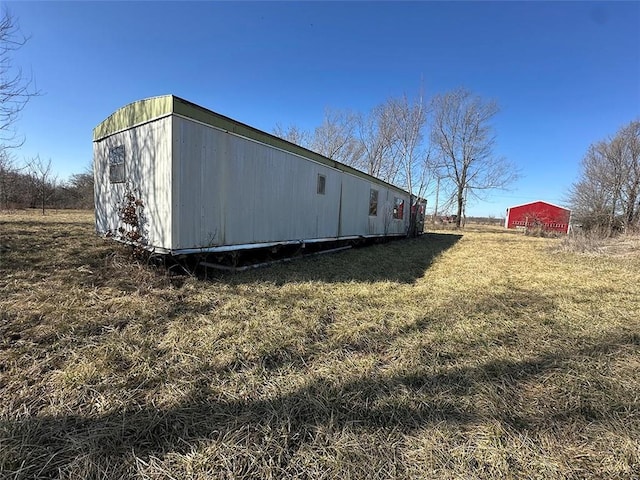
x=606 y=196
x=33 y=184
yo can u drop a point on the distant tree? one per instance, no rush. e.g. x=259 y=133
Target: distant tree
x=43 y=178
x=630 y=191
x=607 y=194
x=76 y=192
x=81 y=187
x=16 y=89
x=7 y=171
x=16 y=184
x=464 y=141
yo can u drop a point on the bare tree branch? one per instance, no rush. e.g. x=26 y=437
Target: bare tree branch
x=464 y=140
x=16 y=89
x=335 y=138
x=293 y=134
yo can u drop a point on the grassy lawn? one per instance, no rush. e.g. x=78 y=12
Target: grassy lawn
x=485 y=354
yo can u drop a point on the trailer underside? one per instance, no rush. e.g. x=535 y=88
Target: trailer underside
x=237 y=258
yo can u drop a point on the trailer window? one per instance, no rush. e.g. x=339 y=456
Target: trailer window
x=398 y=208
x=322 y=182
x=373 y=203
x=116 y=164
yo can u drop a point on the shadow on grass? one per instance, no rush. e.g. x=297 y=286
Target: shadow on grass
x=274 y=428
x=31 y=243
x=401 y=261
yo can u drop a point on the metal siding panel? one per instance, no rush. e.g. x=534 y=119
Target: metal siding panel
x=203 y=203
x=355 y=218
x=207 y=117
x=176 y=181
x=101 y=193
x=151 y=160
x=236 y=191
x=399 y=226
x=355 y=209
x=147 y=173
x=272 y=195
x=189 y=198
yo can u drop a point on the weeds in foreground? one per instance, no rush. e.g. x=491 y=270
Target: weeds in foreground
x=489 y=355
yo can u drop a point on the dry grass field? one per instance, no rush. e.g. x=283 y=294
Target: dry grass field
x=484 y=354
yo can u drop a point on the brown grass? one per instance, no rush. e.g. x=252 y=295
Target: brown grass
x=490 y=355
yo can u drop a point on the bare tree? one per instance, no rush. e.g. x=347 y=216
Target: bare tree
x=7 y=170
x=77 y=192
x=16 y=89
x=464 y=141
x=335 y=138
x=408 y=119
x=16 y=184
x=377 y=136
x=293 y=134
x=607 y=194
x=44 y=179
x=630 y=191
x=591 y=197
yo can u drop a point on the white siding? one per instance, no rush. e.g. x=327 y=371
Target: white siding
x=237 y=191
x=147 y=174
x=354 y=219
x=355 y=209
x=204 y=187
x=229 y=190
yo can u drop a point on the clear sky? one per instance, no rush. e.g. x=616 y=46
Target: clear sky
x=566 y=74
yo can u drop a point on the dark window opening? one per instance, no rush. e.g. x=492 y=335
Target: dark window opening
x=398 y=208
x=116 y=164
x=322 y=182
x=373 y=203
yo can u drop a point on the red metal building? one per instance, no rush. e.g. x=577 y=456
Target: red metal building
x=538 y=214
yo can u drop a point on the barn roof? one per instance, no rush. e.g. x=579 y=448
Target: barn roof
x=143 y=111
x=538 y=201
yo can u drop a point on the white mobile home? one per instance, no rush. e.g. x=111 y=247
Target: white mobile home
x=201 y=182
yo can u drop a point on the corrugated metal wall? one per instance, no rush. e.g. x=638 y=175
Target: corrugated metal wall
x=230 y=190
x=542 y=214
x=147 y=173
x=355 y=209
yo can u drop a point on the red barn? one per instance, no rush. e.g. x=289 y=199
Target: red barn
x=538 y=214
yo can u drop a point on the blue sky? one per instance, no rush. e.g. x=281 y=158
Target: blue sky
x=565 y=74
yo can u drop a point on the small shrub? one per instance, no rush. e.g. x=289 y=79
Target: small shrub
x=540 y=231
x=132 y=230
